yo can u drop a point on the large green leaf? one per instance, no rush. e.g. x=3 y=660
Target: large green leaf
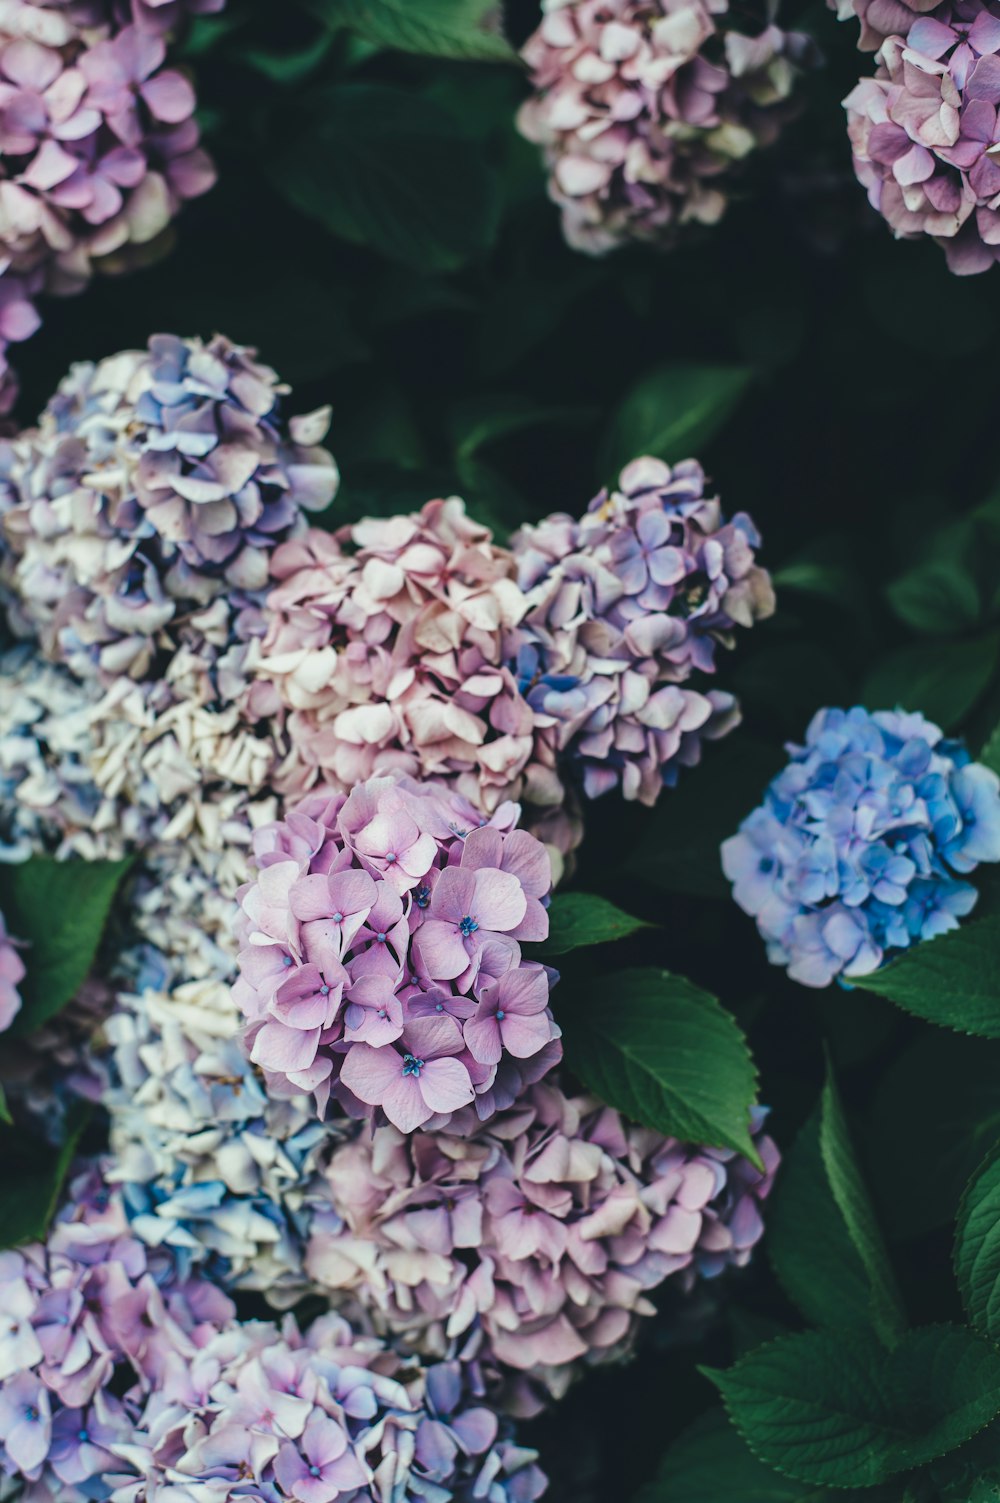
x=672 y=412
x=977 y=1247
x=59 y=908
x=391 y=171
x=843 y=1411
x=31 y=1181
x=582 y=918
x=808 y=1243
x=944 y=680
x=663 y=1052
x=851 y=1197
x=463 y=29
x=938 y=597
x=954 y=980
x=711 y=1463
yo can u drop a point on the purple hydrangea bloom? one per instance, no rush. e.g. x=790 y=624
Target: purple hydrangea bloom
x=860 y=845
x=89 y=1322
x=382 y=950
x=319 y=1416
x=157 y=483
x=533 y=1242
x=624 y=605
x=643 y=110
x=11 y=976
x=925 y=135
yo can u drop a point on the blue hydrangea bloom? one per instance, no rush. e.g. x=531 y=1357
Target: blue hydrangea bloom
x=860 y=845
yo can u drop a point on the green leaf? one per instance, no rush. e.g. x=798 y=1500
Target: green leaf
x=391 y=171
x=582 y=918
x=990 y=754
x=59 y=908
x=672 y=412
x=664 y=1053
x=938 y=597
x=679 y=849
x=977 y=1247
x=5 y=1116
x=843 y=1411
x=808 y=1243
x=944 y=680
x=953 y=980
x=851 y=1197
x=32 y=1183
x=462 y=29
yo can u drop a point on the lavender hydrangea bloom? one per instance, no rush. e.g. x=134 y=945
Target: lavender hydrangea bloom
x=643 y=110
x=925 y=135
x=11 y=975
x=156 y=485
x=860 y=845
x=382 y=951
x=318 y=1416
x=532 y=1243
x=210 y=1166
x=88 y=1324
x=624 y=605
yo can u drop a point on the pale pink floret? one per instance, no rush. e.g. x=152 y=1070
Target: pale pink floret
x=11 y=975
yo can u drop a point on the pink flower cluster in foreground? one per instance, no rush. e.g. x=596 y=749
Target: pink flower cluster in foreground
x=11 y=976
x=381 y=953
x=532 y=1244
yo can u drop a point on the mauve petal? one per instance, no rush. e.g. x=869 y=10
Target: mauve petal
x=445 y=1085
x=499 y=901
x=403 y=1102
x=281 y=1049
x=482 y=1034
x=525 y=1036
x=369 y=1072
x=454 y=892
x=438 y=950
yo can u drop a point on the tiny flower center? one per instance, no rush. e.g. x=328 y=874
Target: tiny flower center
x=324 y=991
x=286 y=960
x=314 y=1471
x=422 y=896
x=439 y=1007
x=82 y=1435
x=411 y=1065
x=380 y=938
x=338 y=918
x=467 y=926
x=500 y=1014
x=390 y=856
x=31 y=1413
x=381 y=1012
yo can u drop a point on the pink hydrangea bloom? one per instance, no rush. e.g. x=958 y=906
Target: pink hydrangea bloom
x=925 y=133
x=11 y=976
x=388 y=649
x=533 y=1242
x=381 y=952
x=624 y=606
x=643 y=110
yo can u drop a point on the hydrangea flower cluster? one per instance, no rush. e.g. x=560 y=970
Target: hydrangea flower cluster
x=155 y=485
x=643 y=110
x=381 y=953
x=861 y=843
x=99 y=146
x=11 y=976
x=117 y=1376
x=533 y=1243
x=623 y=606
x=316 y=1417
x=88 y=1323
x=925 y=136
x=387 y=646
x=211 y=1166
